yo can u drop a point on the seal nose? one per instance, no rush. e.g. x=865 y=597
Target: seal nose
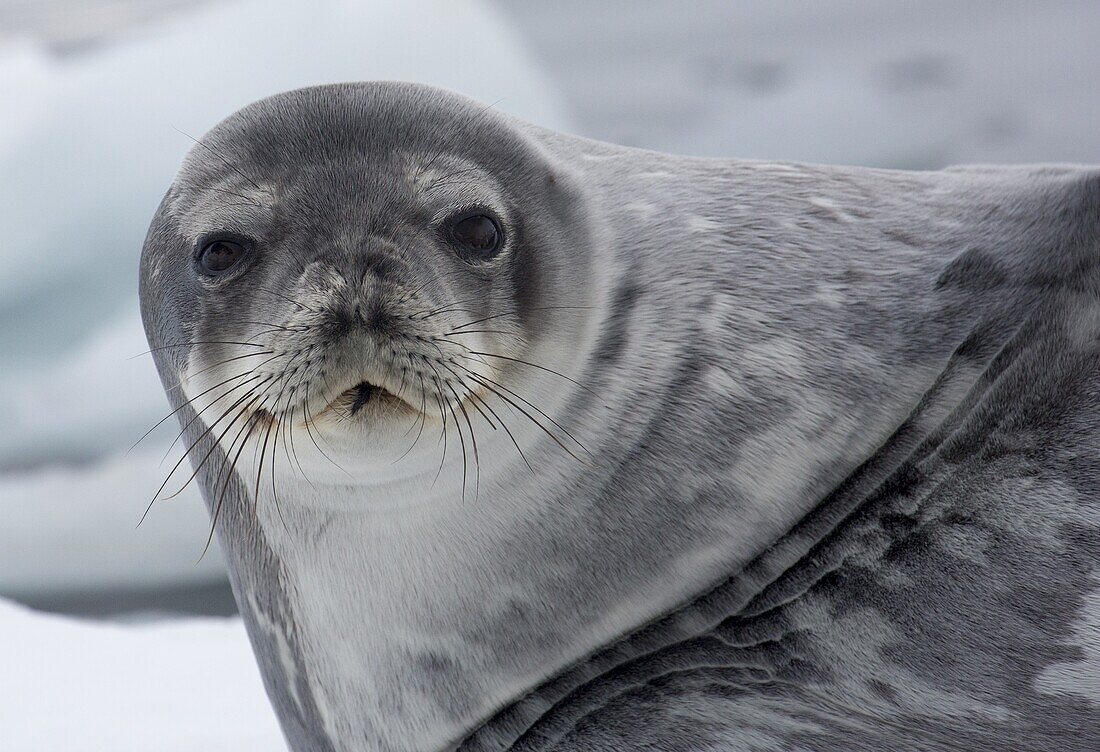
x=375 y=315
x=364 y=284
x=369 y=315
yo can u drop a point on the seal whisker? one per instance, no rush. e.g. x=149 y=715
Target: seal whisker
x=192 y=344
x=211 y=404
x=449 y=175
x=535 y=365
x=251 y=421
x=270 y=382
x=236 y=204
x=408 y=295
x=475 y=396
x=212 y=366
x=260 y=468
x=484 y=331
x=280 y=426
x=461 y=444
x=516 y=311
x=477 y=378
x=274 y=491
x=243 y=398
x=416 y=290
x=478 y=397
x=273 y=327
x=423 y=405
x=532 y=406
x=439 y=311
x=404 y=381
x=469 y=392
x=288 y=431
x=443 y=432
x=445 y=184
x=210 y=148
x=290 y=428
x=451 y=307
x=307 y=419
x=476 y=406
x=250 y=425
x=185 y=404
x=190 y=448
x=473 y=443
x=421 y=418
x=250 y=201
x=287 y=298
x=262 y=332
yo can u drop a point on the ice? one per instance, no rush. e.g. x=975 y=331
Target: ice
x=886 y=83
x=895 y=84
x=100 y=395
x=179 y=686
x=28 y=86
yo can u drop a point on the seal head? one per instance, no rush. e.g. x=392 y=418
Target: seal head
x=362 y=270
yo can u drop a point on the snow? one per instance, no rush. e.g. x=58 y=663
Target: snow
x=179 y=686
x=88 y=145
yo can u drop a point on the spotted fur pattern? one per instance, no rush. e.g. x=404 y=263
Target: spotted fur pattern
x=846 y=493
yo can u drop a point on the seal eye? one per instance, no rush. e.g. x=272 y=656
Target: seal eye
x=220 y=256
x=476 y=236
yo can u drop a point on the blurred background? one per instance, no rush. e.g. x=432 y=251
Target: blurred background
x=99 y=101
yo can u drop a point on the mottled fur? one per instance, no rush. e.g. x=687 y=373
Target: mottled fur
x=842 y=480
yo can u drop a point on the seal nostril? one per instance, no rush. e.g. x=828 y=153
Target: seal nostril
x=377 y=317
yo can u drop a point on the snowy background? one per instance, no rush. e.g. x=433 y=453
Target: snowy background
x=98 y=101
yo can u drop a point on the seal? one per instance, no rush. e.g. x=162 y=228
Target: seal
x=516 y=440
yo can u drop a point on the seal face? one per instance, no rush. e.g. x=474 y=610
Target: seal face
x=362 y=287
x=515 y=440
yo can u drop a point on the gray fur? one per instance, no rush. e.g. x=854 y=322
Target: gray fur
x=843 y=489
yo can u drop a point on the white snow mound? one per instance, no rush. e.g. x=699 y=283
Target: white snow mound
x=175 y=686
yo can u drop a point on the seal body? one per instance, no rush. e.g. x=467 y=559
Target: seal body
x=698 y=455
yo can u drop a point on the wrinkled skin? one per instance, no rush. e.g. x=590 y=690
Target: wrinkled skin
x=797 y=457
